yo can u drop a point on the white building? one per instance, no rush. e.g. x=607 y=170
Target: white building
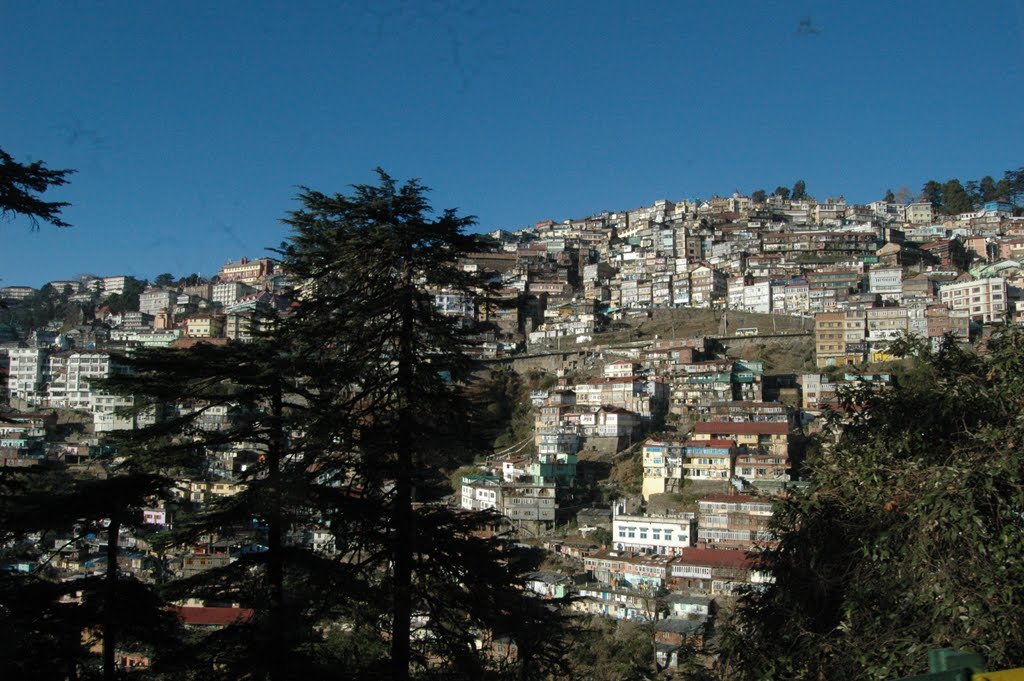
x=112 y=285
x=663 y=534
x=157 y=300
x=984 y=300
x=886 y=282
x=227 y=292
x=757 y=297
x=27 y=373
x=71 y=375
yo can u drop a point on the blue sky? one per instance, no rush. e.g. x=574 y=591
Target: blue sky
x=192 y=124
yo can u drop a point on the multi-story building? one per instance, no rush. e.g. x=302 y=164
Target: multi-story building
x=668 y=461
x=920 y=213
x=985 y=300
x=663 y=464
x=458 y=305
x=205 y=326
x=770 y=437
x=709 y=459
x=884 y=325
x=247 y=271
x=524 y=501
x=733 y=521
x=112 y=285
x=941 y=320
x=708 y=286
x=839 y=337
x=710 y=571
x=749 y=410
x=16 y=293
x=25 y=433
x=72 y=373
x=630 y=570
x=26 y=376
x=156 y=300
x=886 y=282
x=228 y=292
x=656 y=534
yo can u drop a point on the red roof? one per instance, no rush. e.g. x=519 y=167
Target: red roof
x=713 y=558
x=190 y=342
x=734 y=499
x=711 y=444
x=213 y=617
x=740 y=428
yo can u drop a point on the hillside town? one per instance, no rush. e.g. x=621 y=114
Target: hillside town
x=650 y=462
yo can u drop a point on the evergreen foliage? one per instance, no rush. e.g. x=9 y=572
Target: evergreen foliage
x=910 y=536
x=349 y=413
x=20 y=185
x=799 y=191
x=391 y=392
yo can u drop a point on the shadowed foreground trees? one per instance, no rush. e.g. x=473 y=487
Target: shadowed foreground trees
x=910 y=536
x=351 y=411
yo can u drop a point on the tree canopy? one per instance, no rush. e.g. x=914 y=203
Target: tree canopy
x=20 y=187
x=910 y=536
x=799 y=191
x=348 y=416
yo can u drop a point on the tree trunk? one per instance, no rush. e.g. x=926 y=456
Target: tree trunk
x=109 y=618
x=275 y=520
x=403 y=512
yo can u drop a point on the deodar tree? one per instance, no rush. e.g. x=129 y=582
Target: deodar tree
x=350 y=412
x=20 y=187
x=393 y=376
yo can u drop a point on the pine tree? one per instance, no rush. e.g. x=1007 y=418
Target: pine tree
x=799 y=191
x=351 y=411
x=113 y=608
x=931 y=193
x=283 y=581
x=20 y=185
x=955 y=199
x=393 y=375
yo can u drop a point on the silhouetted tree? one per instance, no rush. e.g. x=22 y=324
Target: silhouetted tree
x=164 y=280
x=931 y=193
x=393 y=377
x=799 y=191
x=955 y=199
x=20 y=185
x=987 y=189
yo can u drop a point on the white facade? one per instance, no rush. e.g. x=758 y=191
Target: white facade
x=26 y=376
x=983 y=299
x=886 y=282
x=111 y=285
x=758 y=297
x=653 y=534
x=227 y=292
x=156 y=300
x=71 y=374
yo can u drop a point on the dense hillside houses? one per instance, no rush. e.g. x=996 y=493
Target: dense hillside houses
x=714 y=438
